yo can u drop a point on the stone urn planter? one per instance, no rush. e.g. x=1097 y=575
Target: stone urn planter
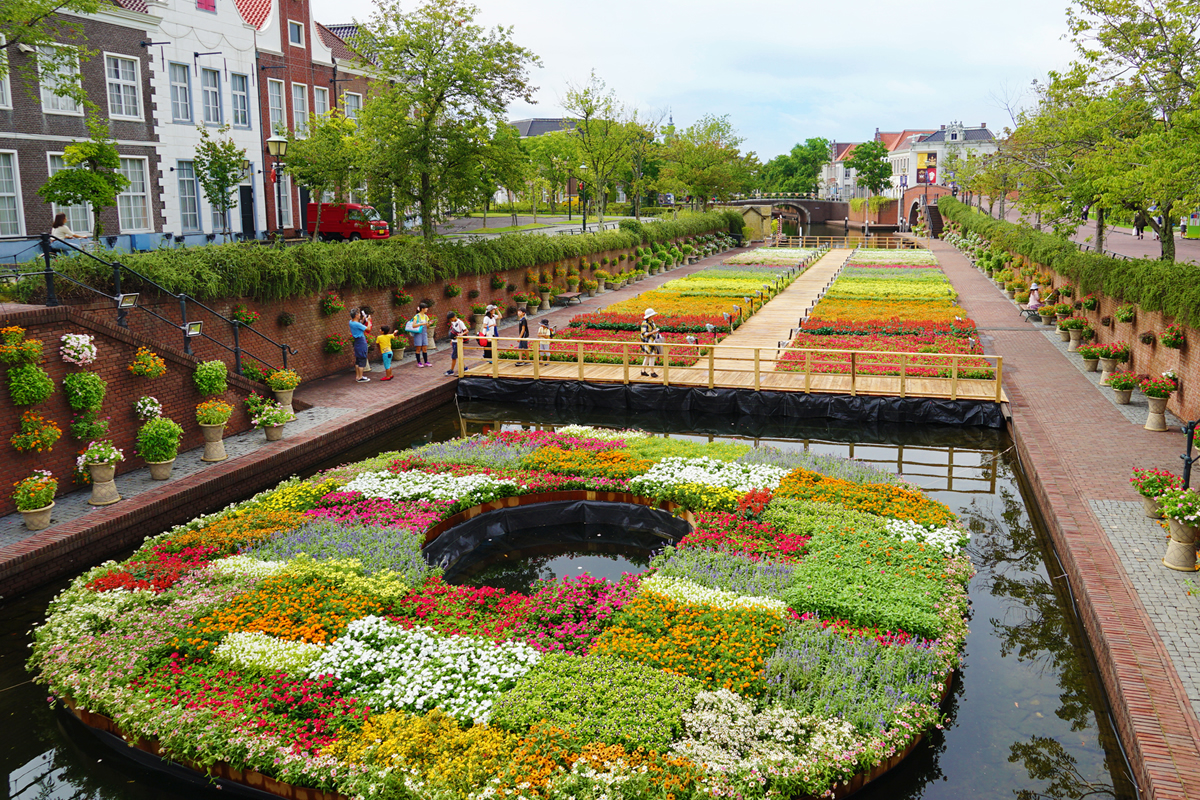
x=214 y=443
x=545 y=306
x=104 y=487
x=1108 y=365
x=591 y=292
x=160 y=470
x=1048 y=320
x=1090 y=364
x=523 y=306
x=1010 y=294
x=1076 y=336
x=274 y=432
x=38 y=519
x=1122 y=396
x=1064 y=335
x=284 y=398
x=1151 y=507
x=1156 y=420
x=1181 y=548
x=603 y=284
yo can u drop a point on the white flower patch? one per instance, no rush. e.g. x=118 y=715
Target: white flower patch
x=420 y=669
x=948 y=540
x=771 y=256
x=604 y=434
x=248 y=651
x=246 y=566
x=416 y=485
x=912 y=258
x=741 y=477
x=689 y=593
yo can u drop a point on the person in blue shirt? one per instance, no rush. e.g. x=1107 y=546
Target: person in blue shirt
x=358 y=331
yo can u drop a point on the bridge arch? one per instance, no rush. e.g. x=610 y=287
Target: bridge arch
x=801 y=210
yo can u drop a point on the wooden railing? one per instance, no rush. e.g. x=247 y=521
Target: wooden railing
x=808 y=370
x=877 y=241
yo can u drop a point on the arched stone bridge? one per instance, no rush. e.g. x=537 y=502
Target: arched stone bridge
x=809 y=210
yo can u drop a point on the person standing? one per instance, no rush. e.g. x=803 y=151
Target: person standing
x=545 y=334
x=649 y=332
x=418 y=326
x=458 y=330
x=1139 y=225
x=384 y=340
x=358 y=334
x=488 y=332
x=523 y=335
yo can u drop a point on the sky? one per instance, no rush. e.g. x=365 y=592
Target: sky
x=784 y=71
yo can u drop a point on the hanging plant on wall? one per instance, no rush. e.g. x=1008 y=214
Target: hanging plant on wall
x=78 y=349
x=1146 y=338
x=285 y=319
x=147 y=364
x=16 y=349
x=87 y=426
x=37 y=434
x=1173 y=337
x=210 y=377
x=399 y=298
x=331 y=303
x=244 y=315
x=28 y=384
x=334 y=344
x=1125 y=313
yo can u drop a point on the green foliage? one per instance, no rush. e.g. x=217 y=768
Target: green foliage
x=87 y=426
x=84 y=390
x=219 y=170
x=158 y=439
x=658 y=447
x=210 y=377
x=869 y=161
x=93 y=179
x=323 y=161
x=798 y=171
x=28 y=384
x=603 y=699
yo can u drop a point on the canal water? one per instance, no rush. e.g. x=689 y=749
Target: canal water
x=1027 y=716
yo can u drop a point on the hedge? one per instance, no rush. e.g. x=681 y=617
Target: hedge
x=1152 y=284
x=269 y=273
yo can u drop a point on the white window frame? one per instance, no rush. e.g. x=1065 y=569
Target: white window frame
x=283 y=196
x=186 y=89
x=195 y=185
x=52 y=103
x=299 y=26
x=5 y=88
x=299 y=112
x=16 y=163
x=89 y=220
x=234 y=95
x=320 y=100
x=346 y=106
x=136 y=84
x=282 y=122
x=145 y=194
x=206 y=91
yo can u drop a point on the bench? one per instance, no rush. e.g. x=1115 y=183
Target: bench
x=567 y=297
x=1029 y=313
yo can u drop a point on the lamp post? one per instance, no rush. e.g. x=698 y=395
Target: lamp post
x=277 y=147
x=583 y=197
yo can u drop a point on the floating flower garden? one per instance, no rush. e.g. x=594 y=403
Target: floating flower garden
x=890 y=301
x=802 y=633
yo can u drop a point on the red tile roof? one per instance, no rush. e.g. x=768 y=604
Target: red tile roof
x=255 y=12
x=341 y=50
x=842 y=150
x=904 y=135
x=131 y=5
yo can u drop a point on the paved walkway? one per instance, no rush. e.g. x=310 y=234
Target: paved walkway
x=1078 y=450
x=1121 y=240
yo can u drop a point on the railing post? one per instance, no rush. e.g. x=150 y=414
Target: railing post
x=121 y=312
x=579 y=357
x=187 y=340
x=237 y=347
x=954 y=377
x=666 y=359
x=712 y=354
x=48 y=254
x=756 y=368
x=537 y=354
x=853 y=374
x=284 y=350
x=625 y=361
x=808 y=354
x=495 y=358
x=903 y=371
x=999 y=372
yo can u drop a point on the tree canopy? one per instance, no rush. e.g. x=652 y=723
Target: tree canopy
x=870 y=163
x=798 y=170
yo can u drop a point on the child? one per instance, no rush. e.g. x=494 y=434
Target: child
x=649 y=333
x=457 y=329
x=545 y=333
x=523 y=335
x=418 y=326
x=384 y=340
x=358 y=333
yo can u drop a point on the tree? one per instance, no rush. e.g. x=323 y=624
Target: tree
x=869 y=161
x=604 y=133
x=325 y=161
x=705 y=159
x=93 y=176
x=39 y=24
x=451 y=83
x=220 y=166
x=554 y=157
x=798 y=170
x=504 y=164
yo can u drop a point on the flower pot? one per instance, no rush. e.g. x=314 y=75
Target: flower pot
x=214 y=443
x=1151 y=507
x=160 y=470
x=603 y=285
x=1122 y=396
x=1090 y=364
x=477 y=322
x=1064 y=335
x=591 y=292
x=1076 y=336
x=1010 y=294
x=545 y=306
x=38 y=519
x=1181 y=549
x=285 y=399
x=274 y=432
x=523 y=306
x=104 y=488
x=1061 y=317
x=1048 y=320
x=1108 y=365
x=1156 y=420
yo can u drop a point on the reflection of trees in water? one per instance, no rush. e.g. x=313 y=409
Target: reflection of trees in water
x=1046 y=760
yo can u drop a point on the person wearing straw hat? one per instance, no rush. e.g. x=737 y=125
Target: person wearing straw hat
x=649 y=332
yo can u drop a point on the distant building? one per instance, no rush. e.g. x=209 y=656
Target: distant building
x=837 y=180
x=536 y=127
x=920 y=157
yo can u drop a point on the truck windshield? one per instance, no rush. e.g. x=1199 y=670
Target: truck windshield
x=371 y=214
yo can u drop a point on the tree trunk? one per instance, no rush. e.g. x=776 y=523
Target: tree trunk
x=1099 y=230
x=486 y=203
x=317 y=224
x=534 y=200
x=512 y=206
x=425 y=203
x=1166 y=233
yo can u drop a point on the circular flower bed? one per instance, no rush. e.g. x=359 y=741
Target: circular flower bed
x=800 y=637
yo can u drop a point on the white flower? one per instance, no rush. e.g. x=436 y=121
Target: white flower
x=415 y=485
x=246 y=566
x=741 y=477
x=689 y=593
x=257 y=652
x=78 y=348
x=606 y=434
x=948 y=540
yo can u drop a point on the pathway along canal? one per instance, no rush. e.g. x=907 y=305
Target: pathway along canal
x=1028 y=718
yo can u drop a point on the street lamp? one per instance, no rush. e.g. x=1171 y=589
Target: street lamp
x=583 y=197
x=277 y=147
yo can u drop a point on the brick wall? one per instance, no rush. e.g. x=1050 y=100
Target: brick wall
x=116 y=347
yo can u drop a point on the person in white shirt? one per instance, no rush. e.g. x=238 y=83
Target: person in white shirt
x=60 y=230
x=458 y=329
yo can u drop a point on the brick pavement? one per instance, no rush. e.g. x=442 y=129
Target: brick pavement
x=1076 y=448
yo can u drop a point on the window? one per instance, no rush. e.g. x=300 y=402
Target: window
x=353 y=104
x=56 y=77
x=122 y=76
x=239 y=87
x=284 y=193
x=210 y=96
x=295 y=33
x=300 y=109
x=206 y=5
x=79 y=216
x=5 y=97
x=181 y=93
x=133 y=204
x=320 y=100
x=276 y=107
x=189 y=197
x=11 y=223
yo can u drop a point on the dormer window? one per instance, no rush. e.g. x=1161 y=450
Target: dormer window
x=953 y=136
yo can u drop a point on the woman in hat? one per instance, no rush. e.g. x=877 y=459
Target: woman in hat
x=649 y=331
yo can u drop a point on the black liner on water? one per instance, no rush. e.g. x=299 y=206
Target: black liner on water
x=641 y=398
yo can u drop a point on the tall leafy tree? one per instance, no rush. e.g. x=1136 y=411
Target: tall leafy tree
x=554 y=156
x=451 y=81
x=42 y=25
x=94 y=176
x=798 y=170
x=705 y=160
x=870 y=164
x=604 y=133
x=220 y=166
x=325 y=161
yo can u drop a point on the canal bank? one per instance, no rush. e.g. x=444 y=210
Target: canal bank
x=1078 y=451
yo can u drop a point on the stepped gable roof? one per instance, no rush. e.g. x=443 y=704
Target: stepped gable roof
x=131 y=5
x=842 y=150
x=969 y=135
x=254 y=12
x=537 y=127
x=344 y=30
x=906 y=135
x=336 y=44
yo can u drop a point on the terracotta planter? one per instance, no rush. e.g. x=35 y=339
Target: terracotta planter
x=274 y=432
x=1108 y=365
x=214 y=443
x=1076 y=336
x=1122 y=396
x=1090 y=364
x=160 y=470
x=1156 y=420
x=1151 y=507
x=1181 y=549
x=104 y=488
x=284 y=397
x=38 y=519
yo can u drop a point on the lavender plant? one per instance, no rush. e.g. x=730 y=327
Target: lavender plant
x=727 y=571
x=377 y=549
x=478 y=451
x=835 y=466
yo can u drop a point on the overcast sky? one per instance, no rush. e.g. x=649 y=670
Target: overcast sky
x=804 y=69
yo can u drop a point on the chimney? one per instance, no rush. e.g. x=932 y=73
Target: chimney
x=943 y=127
x=983 y=125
